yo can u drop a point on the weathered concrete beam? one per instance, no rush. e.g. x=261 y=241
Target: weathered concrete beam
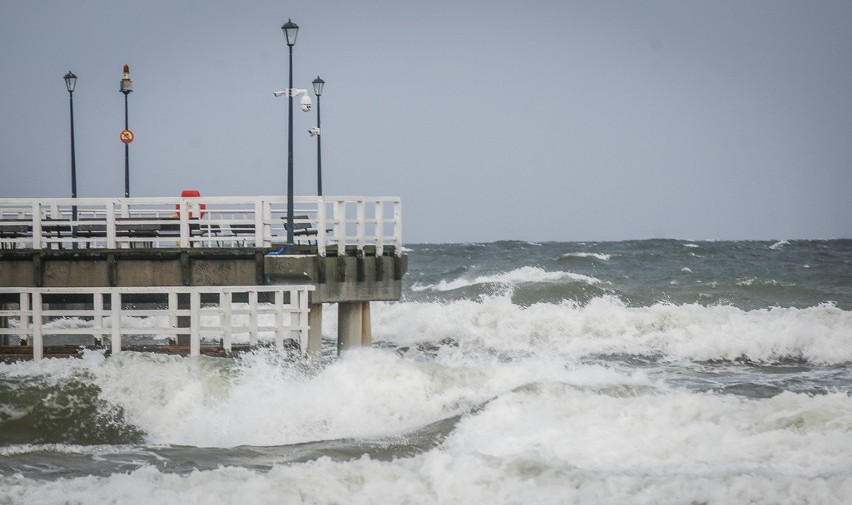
x=343 y=278
x=132 y=267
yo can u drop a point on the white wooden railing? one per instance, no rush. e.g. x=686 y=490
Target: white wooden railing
x=116 y=223
x=115 y=313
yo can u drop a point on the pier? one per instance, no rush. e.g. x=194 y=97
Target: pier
x=200 y=270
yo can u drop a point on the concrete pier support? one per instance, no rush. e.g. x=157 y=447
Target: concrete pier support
x=348 y=326
x=366 y=325
x=353 y=325
x=314 y=350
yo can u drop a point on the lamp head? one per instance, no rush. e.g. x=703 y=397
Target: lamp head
x=70 y=81
x=291 y=29
x=318 y=84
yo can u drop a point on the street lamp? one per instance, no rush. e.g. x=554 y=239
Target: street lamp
x=70 y=84
x=291 y=30
x=318 y=84
x=126 y=87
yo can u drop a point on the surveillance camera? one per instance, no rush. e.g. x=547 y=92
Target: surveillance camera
x=313 y=131
x=280 y=93
x=305 y=102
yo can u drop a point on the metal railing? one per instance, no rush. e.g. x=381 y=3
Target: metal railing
x=271 y=313
x=117 y=223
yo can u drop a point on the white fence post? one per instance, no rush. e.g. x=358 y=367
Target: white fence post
x=226 y=301
x=37 y=232
x=379 y=213
x=195 y=322
x=397 y=227
x=38 y=338
x=115 y=320
x=26 y=316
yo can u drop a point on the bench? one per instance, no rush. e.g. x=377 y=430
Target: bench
x=11 y=230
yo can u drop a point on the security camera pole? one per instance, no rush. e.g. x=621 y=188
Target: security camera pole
x=126 y=87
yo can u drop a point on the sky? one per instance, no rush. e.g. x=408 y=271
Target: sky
x=493 y=120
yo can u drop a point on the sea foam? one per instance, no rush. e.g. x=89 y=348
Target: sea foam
x=523 y=275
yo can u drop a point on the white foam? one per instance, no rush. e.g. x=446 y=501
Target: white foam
x=607 y=325
x=549 y=443
x=262 y=400
x=523 y=275
x=600 y=256
x=779 y=245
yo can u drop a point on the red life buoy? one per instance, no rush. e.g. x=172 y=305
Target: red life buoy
x=191 y=193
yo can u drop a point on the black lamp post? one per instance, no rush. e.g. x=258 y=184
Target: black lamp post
x=318 y=84
x=126 y=87
x=70 y=84
x=290 y=29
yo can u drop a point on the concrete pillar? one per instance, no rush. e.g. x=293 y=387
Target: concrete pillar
x=348 y=326
x=314 y=350
x=366 y=327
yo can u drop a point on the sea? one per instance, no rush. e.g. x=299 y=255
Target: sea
x=633 y=372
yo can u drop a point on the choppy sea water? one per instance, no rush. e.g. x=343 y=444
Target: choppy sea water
x=615 y=372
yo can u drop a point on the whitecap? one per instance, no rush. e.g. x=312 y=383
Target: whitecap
x=523 y=275
x=600 y=256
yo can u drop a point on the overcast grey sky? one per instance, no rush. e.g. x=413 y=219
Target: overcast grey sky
x=540 y=120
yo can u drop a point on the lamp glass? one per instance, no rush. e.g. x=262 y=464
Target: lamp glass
x=291 y=29
x=70 y=81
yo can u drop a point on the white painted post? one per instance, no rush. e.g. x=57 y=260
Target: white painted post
x=279 y=318
x=38 y=338
x=26 y=317
x=380 y=227
x=184 y=223
x=98 y=319
x=340 y=226
x=259 y=237
x=397 y=227
x=252 y=296
x=360 y=224
x=115 y=321
x=110 y=225
x=195 y=322
x=173 y=307
x=267 y=224
x=225 y=304
x=37 y=233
